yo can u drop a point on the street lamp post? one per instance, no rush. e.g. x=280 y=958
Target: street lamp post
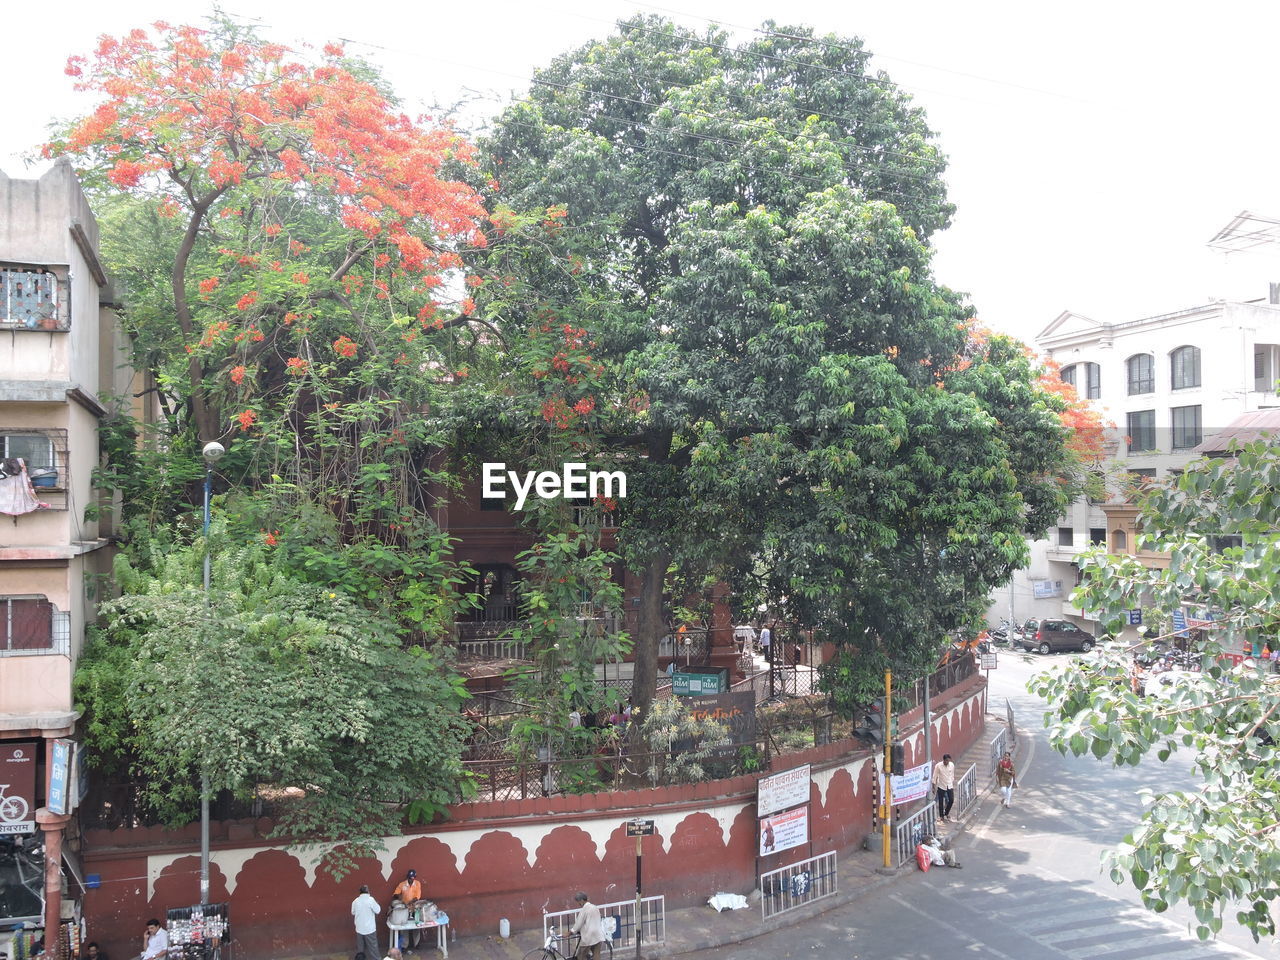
x=212 y=452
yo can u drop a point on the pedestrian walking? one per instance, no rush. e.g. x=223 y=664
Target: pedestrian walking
x=588 y=927
x=364 y=911
x=1007 y=777
x=944 y=782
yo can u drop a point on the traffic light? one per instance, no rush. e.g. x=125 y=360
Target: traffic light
x=897 y=760
x=871 y=726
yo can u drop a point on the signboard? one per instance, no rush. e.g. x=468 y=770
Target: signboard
x=18 y=796
x=59 y=799
x=1133 y=617
x=1043 y=589
x=912 y=785
x=786 y=789
x=782 y=831
x=640 y=828
x=737 y=710
x=1180 y=623
x=987 y=660
x=697 y=683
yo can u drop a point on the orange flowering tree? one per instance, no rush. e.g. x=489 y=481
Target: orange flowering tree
x=295 y=253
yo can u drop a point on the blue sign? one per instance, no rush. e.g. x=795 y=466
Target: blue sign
x=1133 y=617
x=60 y=777
x=1180 y=623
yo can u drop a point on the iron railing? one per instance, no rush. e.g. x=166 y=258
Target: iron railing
x=619 y=919
x=998 y=747
x=797 y=884
x=908 y=832
x=967 y=789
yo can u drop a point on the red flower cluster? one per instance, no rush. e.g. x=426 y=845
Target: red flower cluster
x=247 y=419
x=296 y=366
x=344 y=346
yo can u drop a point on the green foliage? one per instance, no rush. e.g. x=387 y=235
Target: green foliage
x=1214 y=847
x=739 y=233
x=686 y=744
x=268 y=680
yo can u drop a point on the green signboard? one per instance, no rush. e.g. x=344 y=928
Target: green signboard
x=700 y=683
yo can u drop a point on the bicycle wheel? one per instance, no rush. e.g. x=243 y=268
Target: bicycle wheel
x=542 y=953
x=13 y=809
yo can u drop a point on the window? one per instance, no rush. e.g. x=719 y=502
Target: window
x=1229 y=541
x=1066 y=536
x=1266 y=367
x=1141 y=370
x=45 y=454
x=29 y=298
x=1141 y=428
x=1184 y=368
x=1142 y=474
x=1097 y=537
x=32 y=625
x=1085 y=377
x=1186 y=427
x=1092 y=381
x=36 y=449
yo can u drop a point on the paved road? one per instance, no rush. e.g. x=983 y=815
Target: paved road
x=1031 y=887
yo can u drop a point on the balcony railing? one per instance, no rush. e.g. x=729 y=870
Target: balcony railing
x=32 y=298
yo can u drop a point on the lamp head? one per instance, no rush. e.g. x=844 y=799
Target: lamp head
x=213 y=451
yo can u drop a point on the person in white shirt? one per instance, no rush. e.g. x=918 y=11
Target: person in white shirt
x=937 y=855
x=155 y=942
x=766 y=640
x=944 y=781
x=589 y=928
x=365 y=910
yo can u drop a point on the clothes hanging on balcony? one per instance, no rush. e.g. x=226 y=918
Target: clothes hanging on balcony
x=16 y=494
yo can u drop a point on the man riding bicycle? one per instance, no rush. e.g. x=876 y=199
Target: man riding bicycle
x=588 y=928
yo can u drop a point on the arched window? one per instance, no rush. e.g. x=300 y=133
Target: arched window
x=1184 y=368
x=1119 y=542
x=1141 y=369
x=1085 y=377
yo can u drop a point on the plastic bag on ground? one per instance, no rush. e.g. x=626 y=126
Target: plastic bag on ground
x=728 y=901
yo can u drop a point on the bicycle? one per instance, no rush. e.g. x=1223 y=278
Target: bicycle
x=12 y=809
x=550 y=951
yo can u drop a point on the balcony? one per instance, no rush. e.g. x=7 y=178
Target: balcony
x=33 y=298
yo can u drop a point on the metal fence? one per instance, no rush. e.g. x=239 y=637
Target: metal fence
x=944 y=678
x=998 y=747
x=908 y=833
x=493 y=649
x=619 y=920
x=793 y=886
x=1013 y=730
x=967 y=789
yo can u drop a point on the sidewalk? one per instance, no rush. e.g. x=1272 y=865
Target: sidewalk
x=696 y=928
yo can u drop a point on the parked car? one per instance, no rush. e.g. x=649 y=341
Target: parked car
x=1049 y=636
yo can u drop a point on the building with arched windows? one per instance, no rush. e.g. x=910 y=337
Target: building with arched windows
x=1166 y=382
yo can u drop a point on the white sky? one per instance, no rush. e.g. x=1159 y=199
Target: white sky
x=1094 y=147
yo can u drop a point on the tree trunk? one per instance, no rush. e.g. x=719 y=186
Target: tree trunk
x=650 y=628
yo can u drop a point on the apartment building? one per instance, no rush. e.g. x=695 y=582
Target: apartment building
x=1166 y=382
x=62 y=360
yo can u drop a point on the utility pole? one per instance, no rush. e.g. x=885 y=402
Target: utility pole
x=886 y=794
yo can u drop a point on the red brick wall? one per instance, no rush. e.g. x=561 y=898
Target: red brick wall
x=512 y=859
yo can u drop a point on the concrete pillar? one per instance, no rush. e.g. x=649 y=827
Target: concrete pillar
x=53 y=825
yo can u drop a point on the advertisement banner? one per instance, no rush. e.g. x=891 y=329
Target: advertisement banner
x=782 y=831
x=18 y=796
x=912 y=785
x=786 y=789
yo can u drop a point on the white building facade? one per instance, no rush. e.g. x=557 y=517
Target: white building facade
x=1166 y=382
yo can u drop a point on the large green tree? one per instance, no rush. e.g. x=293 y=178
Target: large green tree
x=1218 y=846
x=738 y=236
x=267 y=682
